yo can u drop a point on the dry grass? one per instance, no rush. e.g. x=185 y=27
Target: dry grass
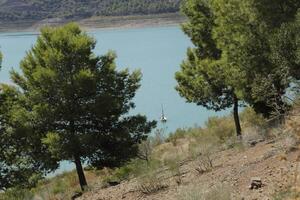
x=196 y=144
x=197 y=192
x=151 y=183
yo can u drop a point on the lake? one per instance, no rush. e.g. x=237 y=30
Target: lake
x=157 y=51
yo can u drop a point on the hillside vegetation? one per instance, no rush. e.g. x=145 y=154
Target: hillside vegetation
x=18 y=10
x=67 y=103
x=207 y=163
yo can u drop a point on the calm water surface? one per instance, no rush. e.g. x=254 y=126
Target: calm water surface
x=157 y=51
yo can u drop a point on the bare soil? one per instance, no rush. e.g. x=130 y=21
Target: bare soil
x=233 y=168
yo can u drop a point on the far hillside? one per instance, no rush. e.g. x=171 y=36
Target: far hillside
x=36 y=10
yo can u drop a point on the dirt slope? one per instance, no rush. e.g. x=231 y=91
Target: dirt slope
x=233 y=169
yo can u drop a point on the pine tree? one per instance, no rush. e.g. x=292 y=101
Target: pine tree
x=80 y=101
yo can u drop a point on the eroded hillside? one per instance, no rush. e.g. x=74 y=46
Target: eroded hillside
x=203 y=169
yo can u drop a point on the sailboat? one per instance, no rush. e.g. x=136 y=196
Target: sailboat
x=163 y=118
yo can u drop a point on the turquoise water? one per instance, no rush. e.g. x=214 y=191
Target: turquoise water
x=157 y=51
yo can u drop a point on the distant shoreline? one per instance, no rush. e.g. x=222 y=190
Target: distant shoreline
x=96 y=23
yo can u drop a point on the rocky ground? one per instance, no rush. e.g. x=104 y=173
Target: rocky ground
x=268 y=161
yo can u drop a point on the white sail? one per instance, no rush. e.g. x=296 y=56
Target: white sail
x=163 y=118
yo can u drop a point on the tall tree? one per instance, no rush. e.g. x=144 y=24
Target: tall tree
x=250 y=34
x=203 y=78
x=254 y=45
x=80 y=102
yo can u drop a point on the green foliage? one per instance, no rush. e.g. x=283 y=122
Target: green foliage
x=174 y=166
x=16 y=194
x=202 y=79
x=62 y=186
x=78 y=102
x=207 y=77
x=174 y=137
x=120 y=174
x=149 y=177
x=72 y=9
x=216 y=128
x=136 y=168
x=23 y=159
x=53 y=142
x=250 y=118
x=221 y=127
x=242 y=48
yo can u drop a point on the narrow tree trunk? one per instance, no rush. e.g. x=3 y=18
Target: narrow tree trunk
x=80 y=172
x=236 y=116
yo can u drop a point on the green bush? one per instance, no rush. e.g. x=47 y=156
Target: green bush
x=221 y=127
x=59 y=187
x=250 y=118
x=149 y=179
x=16 y=194
x=62 y=186
x=134 y=168
x=178 y=134
x=174 y=166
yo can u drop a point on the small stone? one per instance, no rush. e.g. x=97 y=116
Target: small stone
x=76 y=195
x=256 y=183
x=252 y=143
x=113 y=183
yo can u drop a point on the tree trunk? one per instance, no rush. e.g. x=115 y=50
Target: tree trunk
x=236 y=116
x=80 y=172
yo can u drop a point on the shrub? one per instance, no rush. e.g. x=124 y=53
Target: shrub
x=178 y=134
x=62 y=186
x=159 y=137
x=250 y=118
x=16 y=194
x=221 y=127
x=291 y=143
x=151 y=183
x=234 y=143
x=59 y=186
x=120 y=174
x=149 y=180
x=174 y=166
x=145 y=150
x=134 y=168
x=202 y=154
